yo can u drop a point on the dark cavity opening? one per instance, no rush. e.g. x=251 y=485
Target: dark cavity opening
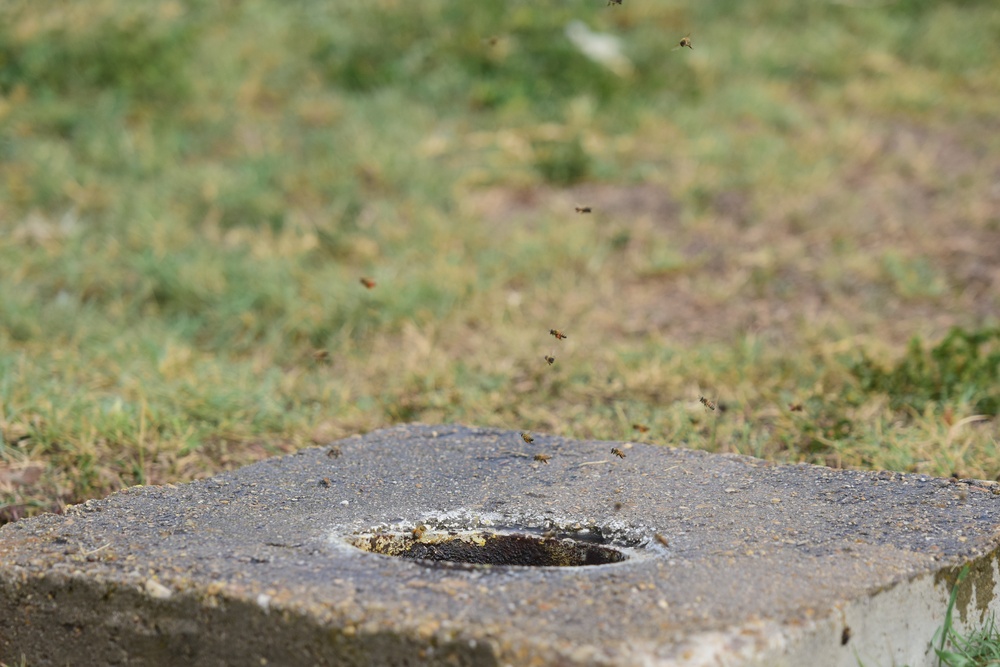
x=481 y=548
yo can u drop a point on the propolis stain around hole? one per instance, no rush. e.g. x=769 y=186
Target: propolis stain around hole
x=485 y=548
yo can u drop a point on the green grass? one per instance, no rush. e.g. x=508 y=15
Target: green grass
x=801 y=210
x=980 y=648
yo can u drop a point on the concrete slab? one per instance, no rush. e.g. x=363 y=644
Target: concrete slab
x=697 y=559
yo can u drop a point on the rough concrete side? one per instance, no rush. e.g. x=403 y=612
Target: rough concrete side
x=212 y=628
x=895 y=626
x=71 y=620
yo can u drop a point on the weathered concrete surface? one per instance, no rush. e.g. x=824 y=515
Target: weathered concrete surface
x=764 y=564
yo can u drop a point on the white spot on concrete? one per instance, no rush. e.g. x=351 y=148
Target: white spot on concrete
x=157 y=591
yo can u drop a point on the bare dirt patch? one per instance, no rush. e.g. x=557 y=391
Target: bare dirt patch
x=904 y=241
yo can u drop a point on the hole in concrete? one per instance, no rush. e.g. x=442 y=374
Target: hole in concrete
x=483 y=548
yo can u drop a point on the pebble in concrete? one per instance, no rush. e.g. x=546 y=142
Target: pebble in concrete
x=446 y=545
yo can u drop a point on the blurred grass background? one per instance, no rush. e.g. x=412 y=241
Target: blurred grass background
x=799 y=218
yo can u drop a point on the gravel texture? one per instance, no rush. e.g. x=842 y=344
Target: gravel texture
x=259 y=566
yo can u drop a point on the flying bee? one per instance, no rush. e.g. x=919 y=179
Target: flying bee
x=558 y=334
x=707 y=403
x=685 y=41
x=419 y=531
x=334 y=452
x=526 y=436
x=614 y=2
x=321 y=356
x=795 y=407
x=549 y=358
x=617 y=452
x=583 y=209
x=544 y=458
x=325 y=482
x=661 y=539
x=641 y=428
x=368 y=282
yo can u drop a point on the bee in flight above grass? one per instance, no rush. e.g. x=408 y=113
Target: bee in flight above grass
x=549 y=358
x=526 y=436
x=368 y=282
x=685 y=41
x=544 y=458
x=583 y=209
x=558 y=334
x=641 y=428
x=707 y=403
x=795 y=407
x=614 y=2
x=617 y=452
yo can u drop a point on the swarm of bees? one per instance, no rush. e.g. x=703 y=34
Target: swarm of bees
x=549 y=359
x=369 y=283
